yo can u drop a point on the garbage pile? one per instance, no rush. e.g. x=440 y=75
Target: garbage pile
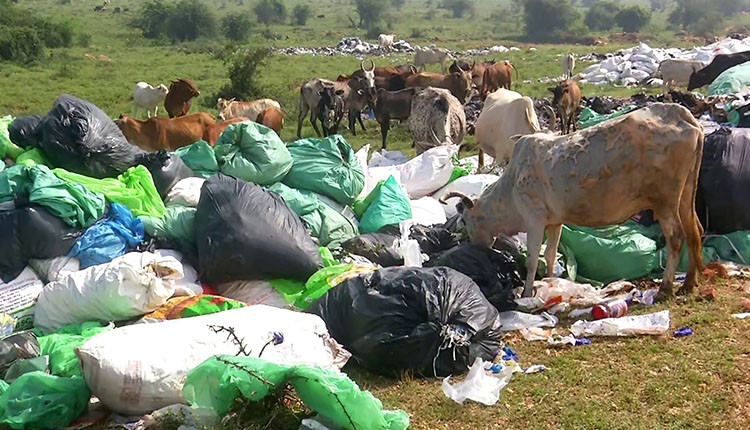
x=350 y=46
x=640 y=64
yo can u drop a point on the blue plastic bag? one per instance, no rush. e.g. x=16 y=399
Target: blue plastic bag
x=110 y=238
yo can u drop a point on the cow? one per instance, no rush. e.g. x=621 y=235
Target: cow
x=385 y=41
x=676 y=71
x=568 y=64
x=477 y=72
x=459 y=83
x=496 y=76
x=352 y=92
x=156 y=133
x=720 y=63
x=272 y=118
x=394 y=82
x=392 y=105
x=647 y=159
x=436 y=118
x=505 y=114
x=567 y=100
x=425 y=56
x=459 y=65
x=213 y=132
x=99 y=8
x=181 y=92
x=232 y=108
x=329 y=111
x=116 y=10
x=149 y=98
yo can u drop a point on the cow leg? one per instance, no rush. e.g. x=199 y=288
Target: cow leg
x=156 y=110
x=384 y=127
x=534 y=238
x=301 y=116
x=352 y=122
x=481 y=160
x=550 y=253
x=692 y=226
x=313 y=121
x=675 y=238
x=572 y=121
x=359 y=119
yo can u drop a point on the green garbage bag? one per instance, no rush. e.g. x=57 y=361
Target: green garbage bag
x=328 y=167
x=252 y=152
x=361 y=204
x=60 y=347
x=33 y=157
x=216 y=382
x=589 y=117
x=178 y=224
x=732 y=81
x=325 y=223
x=76 y=205
x=390 y=207
x=200 y=157
x=134 y=189
x=612 y=253
x=7 y=148
x=37 y=400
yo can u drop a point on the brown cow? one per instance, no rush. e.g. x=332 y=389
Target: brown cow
x=459 y=83
x=272 y=118
x=392 y=105
x=497 y=76
x=177 y=102
x=567 y=100
x=162 y=133
x=213 y=132
x=477 y=72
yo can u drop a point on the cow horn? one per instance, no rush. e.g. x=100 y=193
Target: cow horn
x=362 y=65
x=466 y=200
x=413 y=69
x=434 y=136
x=552 y=119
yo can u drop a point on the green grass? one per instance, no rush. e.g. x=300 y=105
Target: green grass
x=647 y=382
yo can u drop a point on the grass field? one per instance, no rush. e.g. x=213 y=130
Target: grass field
x=642 y=383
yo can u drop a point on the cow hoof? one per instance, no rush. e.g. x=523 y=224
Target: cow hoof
x=662 y=296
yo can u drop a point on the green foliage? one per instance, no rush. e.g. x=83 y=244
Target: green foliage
x=659 y=5
x=370 y=12
x=270 y=11
x=458 y=7
x=243 y=70
x=55 y=34
x=301 y=13
x=152 y=17
x=84 y=40
x=548 y=19
x=236 y=27
x=398 y=4
x=190 y=20
x=633 y=18
x=24 y=35
x=20 y=45
x=602 y=15
x=689 y=12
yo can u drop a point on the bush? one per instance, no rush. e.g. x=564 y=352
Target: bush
x=84 y=40
x=21 y=45
x=191 y=19
x=602 y=16
x=458 y=7
x=270 y=11
x=243 y=72
x=633 y=18
x=236 y=27
x=548 y=19
x=658 y=5
x=689 y=12
x=152 y=18
x=417 y=33
x=300 y=13
x=56 y=34
x=370 y=12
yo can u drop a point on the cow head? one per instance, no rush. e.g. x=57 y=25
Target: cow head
x=558 y=92
x=698 y=79
x=369 y=77
x=329 y=106
x=472 y=219
x=222 y=105
x=163 y=89
x=463 y=85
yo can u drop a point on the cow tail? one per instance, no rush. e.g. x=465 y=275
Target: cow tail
x=514 y=68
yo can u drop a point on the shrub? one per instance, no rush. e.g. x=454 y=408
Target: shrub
x=300 y=13
x=270 y=11
x=191 y=19
x=243 y=69
x=417 y=33
x=370 y=12
x=458 y=7
x=548 y=19
x=152 y=18
x=55 y=34
x=602 y=15
x=236 y=27
x=658 y=5
x=20 y=45
x=633 y=18
x=84 y=40
x=689 y=13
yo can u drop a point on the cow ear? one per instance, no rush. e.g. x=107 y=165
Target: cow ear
x=360 y=92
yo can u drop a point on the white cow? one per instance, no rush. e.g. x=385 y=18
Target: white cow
x=147 y=97
x=568 y=64
x=386 y=41
x=676 y=71
x=505 y=113
x=431 y=55
x=234 y=108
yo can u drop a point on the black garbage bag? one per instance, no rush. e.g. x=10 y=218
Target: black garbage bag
x=31 y=232
x=723 y=197
x=434 y=321
x=166 y=169
x=16 y=347
x=79 y=137
x=497 y=273
x=24 y=131
x=244 y=232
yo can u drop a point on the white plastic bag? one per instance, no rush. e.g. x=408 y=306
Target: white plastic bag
x=514 y=320
x=140 y=368
x=653 y=324
x=189 y=284
x=427 y=211
x=420 y=176
x=128 y=286
x=186 y=192
x=362 y=160
x=409 y=247
x=479 y=385
x=472 y=186
x=54 y=268
x=387 y=158
x=17 y=297
x=252 y=293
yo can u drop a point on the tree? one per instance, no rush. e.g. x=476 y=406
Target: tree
x=191 y=19
x=270 y=11
x=236 y=27
x=602 y=15
x=19 y=44
x=301 y=12
x=633 y=18
x=458 y=7
x=243 y=70
x=370 y=12
x=152 y=17
x=548 y=19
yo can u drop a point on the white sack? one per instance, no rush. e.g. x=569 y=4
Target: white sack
x=189 y=284
x=252 y=293
x=387 y=158
x=653 y=324
x=54 y=268
x=186 y=192
x=472 y=186
x=136 y=369
x=17 y=297
x=128 y=286
x=420 y=176
x=427 y=211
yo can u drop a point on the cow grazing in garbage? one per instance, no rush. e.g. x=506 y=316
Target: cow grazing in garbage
x=431 y=55
x=677 y=71
x=181 y=92
x=647 y=159
x=567 y=100
x=392 y=105
x=156 y=133
x=718 y=65
x=568 y=64
x=385 y=41
x=459 y=83
x=234 y=108
x=499 y=75
x=271 y=117
x=213 y=132
x=437 y=118
x=149 y=98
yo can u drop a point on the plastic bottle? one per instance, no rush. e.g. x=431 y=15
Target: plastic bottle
x=613 y=309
